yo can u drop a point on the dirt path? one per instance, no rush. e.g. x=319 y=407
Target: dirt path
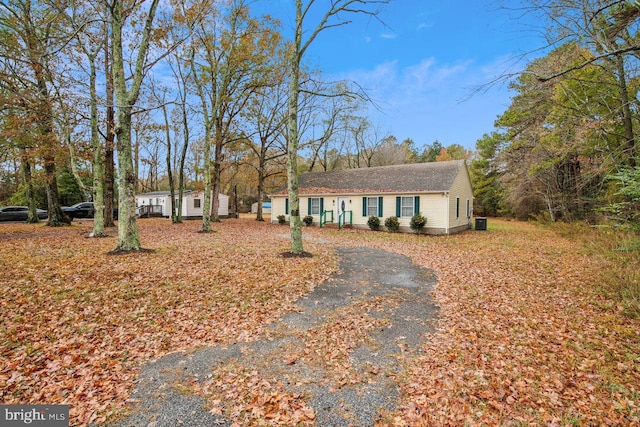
x=341 y=353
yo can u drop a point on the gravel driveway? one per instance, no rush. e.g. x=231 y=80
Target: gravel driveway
x=383 y=292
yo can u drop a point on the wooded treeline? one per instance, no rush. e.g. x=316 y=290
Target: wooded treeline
x=196 y=94
x=566 y=147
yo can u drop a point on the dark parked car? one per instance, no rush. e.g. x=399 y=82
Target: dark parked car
x=19 y=213
x=83 y=210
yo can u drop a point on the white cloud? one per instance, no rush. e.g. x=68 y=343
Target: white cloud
x=423 y=26
x=378 y=78
x=428 y=78
x=423 y=100
x=394 y=85
x=388 y=36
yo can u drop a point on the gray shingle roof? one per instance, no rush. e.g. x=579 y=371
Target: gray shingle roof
x=409 y=178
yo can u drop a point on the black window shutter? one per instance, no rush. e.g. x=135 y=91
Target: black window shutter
x=380 y=206
x=364 y=206
x=321 y=204
x=286 y=206
x=398 y=206
x=416 y=205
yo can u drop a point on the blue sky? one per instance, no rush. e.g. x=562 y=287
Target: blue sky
x=424 y=63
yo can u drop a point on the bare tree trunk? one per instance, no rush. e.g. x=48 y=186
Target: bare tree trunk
x=109 y=180
x=98 y=158
x=627 y=116
x=128 y=237
x=292 y=144
x=183 y=156
x=109 y=164
x=206 y=206
x=261 y=167
x=32 y=216
x=136 y=162
x=217 y=169
x=172 y=187
x=334 y=8
x=56 y=217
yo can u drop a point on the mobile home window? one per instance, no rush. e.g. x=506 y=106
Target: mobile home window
x=196 y=203
x=406 y=206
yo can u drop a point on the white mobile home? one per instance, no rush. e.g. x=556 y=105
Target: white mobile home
x=192 y=202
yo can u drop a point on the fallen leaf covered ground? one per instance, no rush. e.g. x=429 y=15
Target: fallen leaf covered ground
x=524 y=337
x=77 y=322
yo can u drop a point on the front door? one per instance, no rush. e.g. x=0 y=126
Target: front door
x=343 y=205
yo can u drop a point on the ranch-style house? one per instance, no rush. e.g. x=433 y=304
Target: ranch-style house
x=440 y=191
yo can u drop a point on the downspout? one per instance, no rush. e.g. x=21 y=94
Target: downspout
x=446 y=195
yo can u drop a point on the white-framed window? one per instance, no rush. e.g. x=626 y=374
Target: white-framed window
x=314 y=206
x=372 y=206
x=406 y=206
x=196 y=203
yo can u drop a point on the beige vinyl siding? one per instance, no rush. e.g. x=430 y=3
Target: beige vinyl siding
x=461 y=189
x=433 y=206
x=437 y=207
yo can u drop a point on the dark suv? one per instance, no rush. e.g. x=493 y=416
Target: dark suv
x=83 y=210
